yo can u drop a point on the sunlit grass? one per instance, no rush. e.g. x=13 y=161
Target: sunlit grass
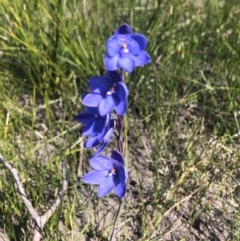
x=182 y=125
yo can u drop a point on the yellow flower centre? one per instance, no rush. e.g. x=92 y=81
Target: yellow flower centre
x=124 y=45
x=113 y=171
x=125 y=48
x=111 y=88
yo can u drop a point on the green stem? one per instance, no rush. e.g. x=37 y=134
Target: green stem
x=121 y=150
x=115 y=220
x=120 y=139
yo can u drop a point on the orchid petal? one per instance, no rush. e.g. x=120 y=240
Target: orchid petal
x=91 y=142
x=126 y=63
x=133 y=46
x=92 y=99
x=101 y=163
x=121 y=108
x=121 y=91
x=102 y=131
x=94 y=177
x=101 y=122
x=123 y=29
x=100 y=84
x=104 y=141
x=114 y=76
x=88 y=129
x=120 y=189
x=141 y=59
x=121 y=173
x=140 y=39
x=113 y=46
x=106 y=186
x=85 y=117
x=111 y=63
x=92 y=109
x=116 y=155
x=107 y=104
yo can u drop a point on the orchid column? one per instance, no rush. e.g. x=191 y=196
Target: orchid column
x=106 y=106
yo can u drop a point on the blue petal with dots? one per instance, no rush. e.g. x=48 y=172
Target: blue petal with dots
x=114 y=76
x=140 y=40
x=133 y=46
x=113 y=46
x=101 y=163
x=100 y=84
x=121 y=91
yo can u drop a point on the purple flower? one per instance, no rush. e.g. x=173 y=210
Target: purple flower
x=95 y=126
x=125 y=50
x=109 y=173
x=98 y=128
x=106 y=138
x=107 y=93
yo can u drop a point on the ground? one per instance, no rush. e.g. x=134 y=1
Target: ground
x=181 y=130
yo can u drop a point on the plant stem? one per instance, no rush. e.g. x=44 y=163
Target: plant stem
x=121 y=123
x=115 y=220
x=121 y=150
x=120 y=138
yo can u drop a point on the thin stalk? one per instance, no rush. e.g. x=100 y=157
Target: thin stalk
x=120 y=138
x=121 y=123
x=121 y=150
x=115 y=220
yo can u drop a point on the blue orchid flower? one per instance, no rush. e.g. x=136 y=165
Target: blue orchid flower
x=126 y=50
x=107 y=93
x=99 y=129
x=106 y=138
x=108 y=173
x=95 y=126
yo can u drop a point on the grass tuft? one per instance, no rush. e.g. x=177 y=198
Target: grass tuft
x=182 y=125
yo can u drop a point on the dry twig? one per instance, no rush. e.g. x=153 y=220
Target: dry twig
x=40 y=220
